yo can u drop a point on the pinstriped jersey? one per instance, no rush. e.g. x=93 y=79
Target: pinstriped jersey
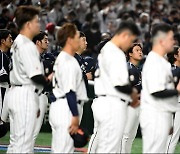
x=25 y=61
x=68 y=76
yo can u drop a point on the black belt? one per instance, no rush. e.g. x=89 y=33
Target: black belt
x=96 y=96
x=123 y=100
x=53 y=99
x=36 y=90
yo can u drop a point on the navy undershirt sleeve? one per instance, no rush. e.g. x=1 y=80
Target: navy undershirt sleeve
x=165 y=93
x=72 y=102
x=127 y=89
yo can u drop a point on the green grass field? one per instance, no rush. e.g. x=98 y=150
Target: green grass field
x=44 y=139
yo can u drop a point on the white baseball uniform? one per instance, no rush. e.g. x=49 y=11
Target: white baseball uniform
x=156 y=113
x=67 y=76
x=132 y=122
x=110 y=108
x=130 y=130
x=22 y=98
x=43 y=102
x=174 y=138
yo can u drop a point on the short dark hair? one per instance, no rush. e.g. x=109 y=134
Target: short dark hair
x=4 y=33
x=5 y=10
x=24 y=14
x=82 y=34
x=66 y=31
x=39 y=36
x=131 y=49
x=173 y=12
x=171 y=55
x=130 y=26
x=162 y=27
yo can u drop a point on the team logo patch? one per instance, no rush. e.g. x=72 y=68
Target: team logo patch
x=175 y=79
x=47 y=70
x=131 y=77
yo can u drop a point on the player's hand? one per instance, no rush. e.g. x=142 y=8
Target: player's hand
x=38 y=113
x=89 y=76
x=135 y=104
x=178 y=87
x=73 y=128
x=135 y=98
x=50 y=76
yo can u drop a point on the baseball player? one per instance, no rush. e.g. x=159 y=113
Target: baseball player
x=27 y=80
x=41 y=41
x=113 y=90
x=5 y=64
x=174 y=59
x=159 y=97
x=69 y=90
x=83 y=45
x=86 y=75
x=135 y=55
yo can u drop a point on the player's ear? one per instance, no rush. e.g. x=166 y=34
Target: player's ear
x=175 y=56
x=130 y=54
x=161 y=41
x=125 y=35
x=2 y=41
x=27 y=24
x=69 y=40
x=38 y=42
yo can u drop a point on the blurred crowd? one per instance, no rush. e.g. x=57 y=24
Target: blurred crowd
x=98 y=19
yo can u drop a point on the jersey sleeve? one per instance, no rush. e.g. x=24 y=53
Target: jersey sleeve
x=155 y=79
x=31 y=60
x=117 y=69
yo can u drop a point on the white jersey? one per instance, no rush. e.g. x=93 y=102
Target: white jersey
x=68 y=76
x=157 y=76
x=26 y=61
x=112 y=71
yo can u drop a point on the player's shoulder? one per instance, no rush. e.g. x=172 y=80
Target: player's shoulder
x=152 y=58
x=23 y=42
x=108 y=46
x=110 y=51
x=66 y=60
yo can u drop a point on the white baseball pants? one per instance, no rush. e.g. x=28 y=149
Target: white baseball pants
x=130 y=130
x=110 y=114
x=155 y=127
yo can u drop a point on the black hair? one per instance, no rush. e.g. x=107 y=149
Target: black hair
x=5 y=10
x=39 y=36
x=171 y=55
x=82 y=34
x=130 y=26
x=177 y=37
x=101 y=44
x=4 y=33
x=68 y=30
x=131 y=49
x=24 y=14
x=95 y=25
x=162 y=27
x=173 y=12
